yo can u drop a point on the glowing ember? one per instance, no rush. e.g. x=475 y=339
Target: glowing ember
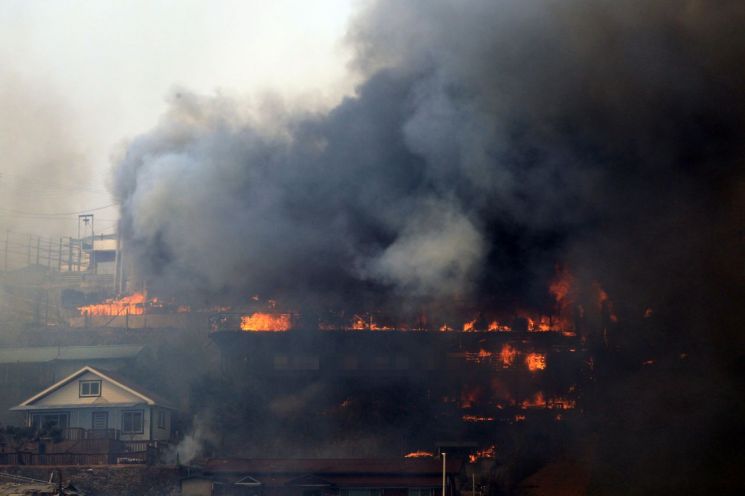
x=266 y=322
x=479 y=357
x=469 y=398
x=419 y=454
x=535 y=361
x=366 y=323
x=126 y=305
x=487 y=453
x=536 y=401
x=539 y=401
x=544 y=323
x=476 y=418
x=561 y=404
x=507 y=356
x=495 y=326
x=359 y=324
x=445 y=328
x=469 y=326
x=561 y=286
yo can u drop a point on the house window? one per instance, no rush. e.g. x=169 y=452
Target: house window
x=100 y=420
x=401 y=362
x=39 y=420
x=350 y=362
x=90 y=388
x=132 y=422
x=306 y=362
x=381 y=362
x=281 y=362
x=161 y=419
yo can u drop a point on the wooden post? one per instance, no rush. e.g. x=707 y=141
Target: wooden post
x=69 y=254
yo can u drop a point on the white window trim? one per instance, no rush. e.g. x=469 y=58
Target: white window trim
x=142 y=425
x=89 y=383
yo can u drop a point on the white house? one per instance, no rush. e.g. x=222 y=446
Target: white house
x=97 y=400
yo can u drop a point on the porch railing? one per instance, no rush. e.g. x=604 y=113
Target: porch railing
x=78 y=434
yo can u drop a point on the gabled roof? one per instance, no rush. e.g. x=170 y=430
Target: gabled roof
x=247 y=481
x=147 y=397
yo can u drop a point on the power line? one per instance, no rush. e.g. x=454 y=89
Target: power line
x=55 y=214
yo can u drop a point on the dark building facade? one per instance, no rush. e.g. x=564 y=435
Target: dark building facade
x=450 y=386
x=324 y=477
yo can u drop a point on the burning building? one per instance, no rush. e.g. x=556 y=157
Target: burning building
x=410 y=233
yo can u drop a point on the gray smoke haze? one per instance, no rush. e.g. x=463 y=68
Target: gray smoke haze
x=488 y=141
x=44 y=169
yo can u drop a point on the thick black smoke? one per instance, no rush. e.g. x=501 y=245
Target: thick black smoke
x=489 y=141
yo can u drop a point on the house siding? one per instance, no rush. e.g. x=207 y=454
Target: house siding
x=70 y=394
x=115 y=400
x=82 y=418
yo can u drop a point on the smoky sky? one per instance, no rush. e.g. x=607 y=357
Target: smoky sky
x=45 y=169
x=487 y=142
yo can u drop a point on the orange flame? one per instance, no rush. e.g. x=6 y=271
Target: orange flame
x=535 y=361
x=126 y=305
x=360 y=323
x=486 y=453
x=469 y=397
x=495 y=326
x=476 y=418
x=539 y=401
x=266 y=322
x=469 y=326
x=507 y=356
x=419 y=454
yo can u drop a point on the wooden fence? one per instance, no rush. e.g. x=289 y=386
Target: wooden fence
x=150 y=455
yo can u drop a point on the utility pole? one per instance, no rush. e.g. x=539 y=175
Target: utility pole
x=86 y=219
x=7 y=237
x=444 y=458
